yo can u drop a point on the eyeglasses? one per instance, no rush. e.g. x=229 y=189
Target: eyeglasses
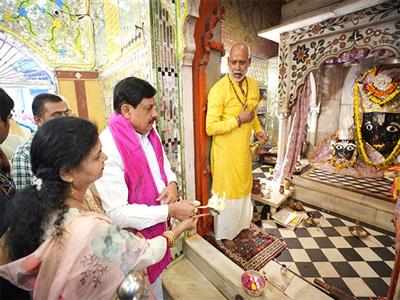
x=64 y=113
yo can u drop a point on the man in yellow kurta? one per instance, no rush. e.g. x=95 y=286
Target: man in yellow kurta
x=231 y=117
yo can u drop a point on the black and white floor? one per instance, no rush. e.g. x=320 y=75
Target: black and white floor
x=327 y=250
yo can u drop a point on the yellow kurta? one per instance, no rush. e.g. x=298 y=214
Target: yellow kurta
x=230 y=149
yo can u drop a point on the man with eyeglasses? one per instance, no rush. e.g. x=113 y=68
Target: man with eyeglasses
x=44 y=108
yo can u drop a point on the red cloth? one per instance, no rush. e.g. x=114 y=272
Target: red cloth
x=139 y=180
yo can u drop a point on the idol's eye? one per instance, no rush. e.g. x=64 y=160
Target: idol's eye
x=369 y=126
x=338 y=146
x=392 y=128
x=350 y=148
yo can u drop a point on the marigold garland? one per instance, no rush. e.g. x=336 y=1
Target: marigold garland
x=390 y=93
x=373 y=90
x=389 y=98
x=346 y=164
x=396 y=151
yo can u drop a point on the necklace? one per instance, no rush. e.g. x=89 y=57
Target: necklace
x=71 y=202
x=236 y=94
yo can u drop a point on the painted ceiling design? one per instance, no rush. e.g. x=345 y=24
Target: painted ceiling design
x=59 y=31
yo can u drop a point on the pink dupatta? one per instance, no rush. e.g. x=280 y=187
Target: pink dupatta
x=139 y=180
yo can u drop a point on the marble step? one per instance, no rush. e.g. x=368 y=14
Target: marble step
x=225 y=275
x=354 y=205
x=182 y=280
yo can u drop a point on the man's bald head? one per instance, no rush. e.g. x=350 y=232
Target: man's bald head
x=239 y=61
x=242 y=47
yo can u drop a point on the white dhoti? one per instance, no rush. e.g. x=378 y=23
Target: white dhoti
x=157 y=289
x=234 y=218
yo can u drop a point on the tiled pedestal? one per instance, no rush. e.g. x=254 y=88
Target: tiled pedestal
x=351 y=204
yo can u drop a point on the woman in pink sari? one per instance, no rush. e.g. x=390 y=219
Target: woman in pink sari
x=57 y=248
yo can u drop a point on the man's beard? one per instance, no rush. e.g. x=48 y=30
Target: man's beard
x=243 y=75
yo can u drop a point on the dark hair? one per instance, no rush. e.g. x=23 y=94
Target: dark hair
x=132 y=90
x=40 y=100
x=60 y=144
x=6 y=105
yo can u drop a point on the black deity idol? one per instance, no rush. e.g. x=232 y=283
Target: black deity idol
x=381 y=131
x=344 y=149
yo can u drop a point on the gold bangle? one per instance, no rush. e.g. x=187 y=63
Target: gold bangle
x=173 y=238
x=167 y=237
x=170 y=236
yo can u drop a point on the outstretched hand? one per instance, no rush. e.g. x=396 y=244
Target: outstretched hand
x=189 y=223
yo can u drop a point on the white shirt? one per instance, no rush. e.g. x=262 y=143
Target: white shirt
x=113 y=190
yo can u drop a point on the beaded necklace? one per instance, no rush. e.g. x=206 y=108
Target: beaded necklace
x=236 y=94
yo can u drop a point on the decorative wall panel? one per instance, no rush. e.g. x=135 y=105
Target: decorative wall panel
x=272 y=125
x=135 y=64
x=165 y=41
x=258 y=70
x=127 y=24
x=244 y=18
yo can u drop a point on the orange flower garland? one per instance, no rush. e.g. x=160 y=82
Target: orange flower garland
x=371 y=89
x=373 y=93
x=389 y=98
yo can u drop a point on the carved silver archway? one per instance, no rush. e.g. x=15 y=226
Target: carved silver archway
x=305 y=49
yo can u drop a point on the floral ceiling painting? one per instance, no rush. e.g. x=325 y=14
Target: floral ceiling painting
x=59 y=31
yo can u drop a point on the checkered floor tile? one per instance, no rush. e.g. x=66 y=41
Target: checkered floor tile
x=327 y=250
